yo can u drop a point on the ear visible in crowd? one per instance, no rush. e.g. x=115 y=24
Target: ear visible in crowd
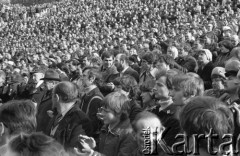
x=92 y=79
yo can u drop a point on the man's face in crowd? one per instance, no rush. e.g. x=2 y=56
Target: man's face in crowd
x=146 y=98
x=182 y=52
x=209 y=27
x=86 y=81
x=25 y=78
x=86 y=62
x=160 y=92
x=118 y=63
x=145 y=65
x=133 y=51
x=108 y=62
x=49 y=84
x=218 y=84
x=230 y=85
x=72 y=67
x=162 y=66
x=37 y=76
x=171 y=53
x=197 y=46
x=188 y=36
x=235 y=40
x=227 y=34
x=177 y=96
x=202 y=58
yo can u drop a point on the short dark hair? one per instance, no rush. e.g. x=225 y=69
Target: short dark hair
x=125 y=58
x=127 y=84
x=203 y=114
x=18 y=116
x=133 y=59
x=148 y=85
x=36 y=144
x=149 y=57
x=67 y=91
x=107 y=55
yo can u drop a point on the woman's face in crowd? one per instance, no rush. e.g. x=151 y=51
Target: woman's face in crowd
x=108 y=116
x=202 y=58
x=223 y=49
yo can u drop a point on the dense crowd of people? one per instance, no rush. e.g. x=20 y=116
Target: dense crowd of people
x=120 y=78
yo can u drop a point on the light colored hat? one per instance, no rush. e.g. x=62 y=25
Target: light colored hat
x=232 y=65
x=218 y=71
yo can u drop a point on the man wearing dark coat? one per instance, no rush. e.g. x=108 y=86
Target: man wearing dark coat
x=70 y=121
x=51 y=78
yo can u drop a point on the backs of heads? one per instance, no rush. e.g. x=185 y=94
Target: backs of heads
x=203 y=114
x=35 y=144
x=93 y=72
x=189 y=84
x=18 y=116
x=67 y=91
x=236 y=53
x=144 y=115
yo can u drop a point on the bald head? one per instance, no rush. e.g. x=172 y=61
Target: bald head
x=67 y=91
